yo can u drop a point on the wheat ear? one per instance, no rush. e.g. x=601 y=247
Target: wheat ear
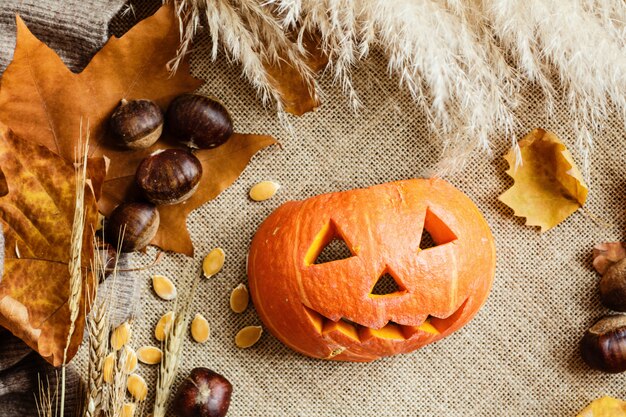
x=170 y=359
x=98 y=329
x=76 y=246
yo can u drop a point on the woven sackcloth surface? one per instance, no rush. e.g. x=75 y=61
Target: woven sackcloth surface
x=518 y=357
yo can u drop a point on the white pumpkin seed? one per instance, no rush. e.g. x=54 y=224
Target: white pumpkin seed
x=264 y=190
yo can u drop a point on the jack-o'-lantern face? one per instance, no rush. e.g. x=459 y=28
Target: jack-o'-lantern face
x=390 y=290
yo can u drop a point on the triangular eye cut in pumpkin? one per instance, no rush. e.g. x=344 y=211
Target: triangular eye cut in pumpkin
x=435 y=232
x=329 y=245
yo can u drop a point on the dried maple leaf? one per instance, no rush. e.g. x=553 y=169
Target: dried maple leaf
x=37 y=214
x=41 y=100
x=297 y=96
x=221 y=166
x=604 y=407
x=548 y=185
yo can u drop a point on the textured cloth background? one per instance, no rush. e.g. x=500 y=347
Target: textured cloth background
x=518 y=357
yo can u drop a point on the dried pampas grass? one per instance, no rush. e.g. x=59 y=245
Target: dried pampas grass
x=464 y=62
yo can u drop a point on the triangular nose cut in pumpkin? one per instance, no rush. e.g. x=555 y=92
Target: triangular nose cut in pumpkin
x=387 y=285
x=366 y=273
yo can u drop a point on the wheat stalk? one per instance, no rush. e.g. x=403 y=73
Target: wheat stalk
x=76 y=246
x=98 y=329
x=170 y=360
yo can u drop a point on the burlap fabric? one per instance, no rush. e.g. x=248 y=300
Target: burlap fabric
x=518 y=357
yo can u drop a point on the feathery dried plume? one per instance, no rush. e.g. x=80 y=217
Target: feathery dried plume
x=170 y=359
x=250 y=35
x=464 y=63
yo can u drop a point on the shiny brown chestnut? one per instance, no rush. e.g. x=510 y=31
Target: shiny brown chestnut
x=613 y=286
x=137 y=124
x=198 y=121
x=604 y=345
x=138 y=222
x=169 y=176
x=203 y=393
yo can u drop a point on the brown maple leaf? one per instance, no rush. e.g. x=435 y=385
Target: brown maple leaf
x=36 y=212
x=220 y=168
x=43 y=101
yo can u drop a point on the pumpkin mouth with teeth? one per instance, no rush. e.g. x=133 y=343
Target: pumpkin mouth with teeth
x=366 y=273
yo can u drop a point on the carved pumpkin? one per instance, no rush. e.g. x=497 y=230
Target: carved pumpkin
x=339 y=308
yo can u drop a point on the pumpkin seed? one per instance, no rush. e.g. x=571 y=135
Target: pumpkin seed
x=137 y=387
x=248 y=336
x=107 y=368
x=149 y=355
x=120 y=336
x=213 y=262
x=163 y=326
x=239 y=299
x=200 y=329
x=164 y=287
x=264 y=190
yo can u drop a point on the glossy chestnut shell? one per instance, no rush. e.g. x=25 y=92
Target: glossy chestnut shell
x=137 y=124
x=138 y=222
x=169 y=177
x=203 y=393
x=604 y=345
x=198 y=121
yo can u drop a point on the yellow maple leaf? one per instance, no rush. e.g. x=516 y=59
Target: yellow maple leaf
x=548 y=185
x=605 y=407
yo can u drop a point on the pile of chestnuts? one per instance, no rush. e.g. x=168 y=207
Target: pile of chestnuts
x=603 y=346
x=168 y=176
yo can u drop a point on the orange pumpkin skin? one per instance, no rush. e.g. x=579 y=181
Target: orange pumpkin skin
x=327 y=310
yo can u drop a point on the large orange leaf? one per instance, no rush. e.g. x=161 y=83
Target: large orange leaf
x=43 y=101
x=36 y=212
x=221 y=166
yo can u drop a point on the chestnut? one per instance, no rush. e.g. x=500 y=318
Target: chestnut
x=198 y=121
x=169 y=176
x=613 y=286
x=137 y=124
x=203 y=393
x=138 y=222
x=604 y=345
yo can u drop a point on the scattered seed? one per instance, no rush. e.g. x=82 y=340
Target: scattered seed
x=213 y=262
x=149 y=355
x=164 y=287
x=239 y=299
x=129 y=360
x=248 y=336
x=107 y=368
x=264 y=190
x=163 y=326
x=128 y=410
x=120 y=336
x=200 y=329
x=137 y=387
